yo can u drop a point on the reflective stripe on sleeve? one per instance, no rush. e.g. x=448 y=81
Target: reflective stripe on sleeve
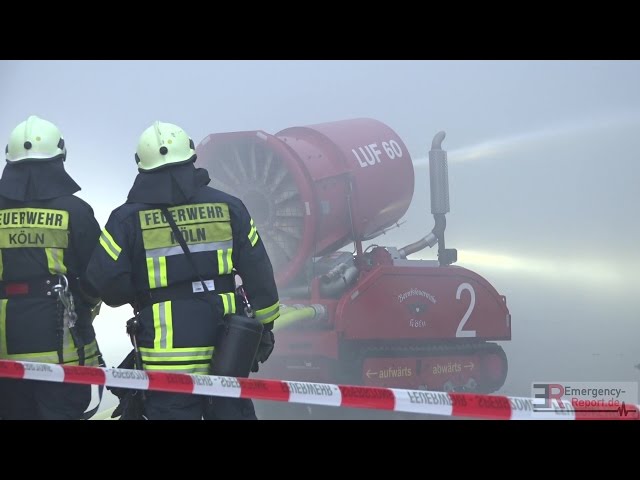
x=269 y=314
x=109 y=244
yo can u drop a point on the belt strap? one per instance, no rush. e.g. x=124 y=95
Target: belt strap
x=33 y=287
x=181 y=291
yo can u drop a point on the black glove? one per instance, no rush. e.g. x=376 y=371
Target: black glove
x=131 y=406
x=267 y=342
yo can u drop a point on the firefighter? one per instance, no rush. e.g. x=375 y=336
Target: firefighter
x=140 y=262
x=47 y=235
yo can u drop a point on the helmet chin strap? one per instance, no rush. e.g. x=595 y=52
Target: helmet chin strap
x=62 y=147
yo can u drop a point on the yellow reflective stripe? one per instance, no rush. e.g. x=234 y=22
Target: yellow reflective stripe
x=269 y=309
x=55 y=260
x=228 y=303
x=271 y=318
x=110 y=245
x=92 y=362
x=91 y=349
x=269 y=314
x=69 y=347
x=169 y=323
x=221 y=262
x=225 y=261
x=179 y=350
x=45 y=357
x=253 y=233
x=1 y=265
x=162 y=325
x=158 y=358
x=111 y=253
x=232 y=303
x=225 y=303
x=157 y=271
x=3 y=328
x=146 y=358
x=156 y=324
x=70 y=355
x=42 y=357
x=172 y=359
x=163 y=271
x=229 y=258
x=151 y=273
x=253 y=236
x=196 y=368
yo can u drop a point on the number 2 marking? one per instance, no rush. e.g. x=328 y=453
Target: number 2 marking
x=460 y=332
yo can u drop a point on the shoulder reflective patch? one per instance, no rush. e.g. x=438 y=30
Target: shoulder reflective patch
x=253 y=234
x=185 y=215
x=109 y=244
x=44 y=218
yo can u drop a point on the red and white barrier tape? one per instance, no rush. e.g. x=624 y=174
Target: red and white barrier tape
x=413 y=401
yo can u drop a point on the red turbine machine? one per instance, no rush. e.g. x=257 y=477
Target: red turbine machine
x=368 y=316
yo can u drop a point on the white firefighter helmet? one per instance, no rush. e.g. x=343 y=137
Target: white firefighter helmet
x=35 y=139
x=164 y=144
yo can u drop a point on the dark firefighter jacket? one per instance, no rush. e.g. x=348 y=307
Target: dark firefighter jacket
x=44 y=230
x=140 y=262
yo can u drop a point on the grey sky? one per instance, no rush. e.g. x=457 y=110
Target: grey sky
x=544 y=167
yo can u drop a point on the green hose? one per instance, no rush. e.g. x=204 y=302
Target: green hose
x=289 y=315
